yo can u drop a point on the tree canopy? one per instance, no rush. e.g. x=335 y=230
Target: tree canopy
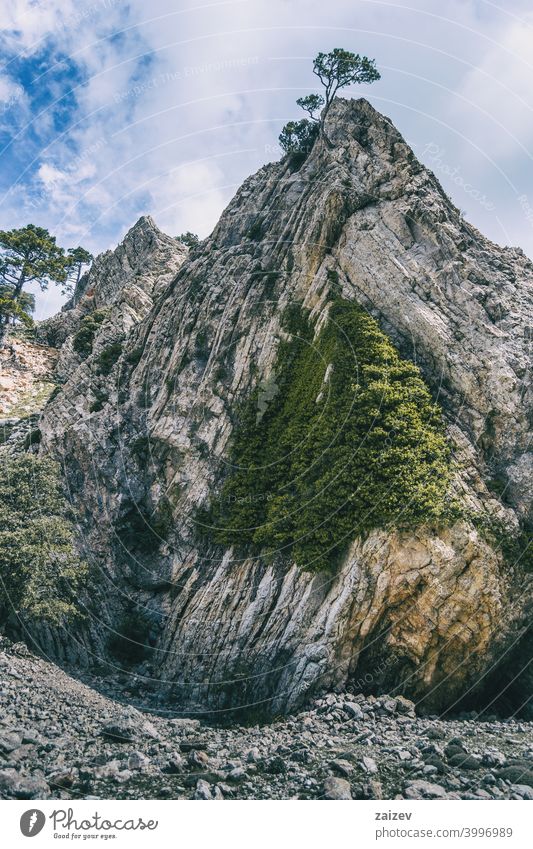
x=77 y=258
x=335 y=70
x=189 y=239
x=31 y=255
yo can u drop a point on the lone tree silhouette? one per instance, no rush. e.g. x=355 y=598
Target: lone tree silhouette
x=335 y=70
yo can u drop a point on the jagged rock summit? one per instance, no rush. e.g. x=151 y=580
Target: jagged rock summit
x=148 y=411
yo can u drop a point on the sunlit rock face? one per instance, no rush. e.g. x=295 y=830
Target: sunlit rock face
x=144 y=425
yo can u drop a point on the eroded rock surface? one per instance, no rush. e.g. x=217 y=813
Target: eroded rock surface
x=428 y=612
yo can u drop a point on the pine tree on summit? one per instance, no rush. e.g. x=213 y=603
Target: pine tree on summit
x=335 y=70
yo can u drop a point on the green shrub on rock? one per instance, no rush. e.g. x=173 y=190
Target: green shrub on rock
x=40 y=572
x=84 y=338
x=349 y=441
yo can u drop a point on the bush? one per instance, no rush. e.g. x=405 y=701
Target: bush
x=298 y=137
x=189 y=239
x=107 y=358
x=84 y=338
x=40 y=572
x=324 y=461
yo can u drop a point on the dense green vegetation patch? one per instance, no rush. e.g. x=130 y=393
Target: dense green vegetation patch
x=84 y=338
x=40 y=572
x=343 y=438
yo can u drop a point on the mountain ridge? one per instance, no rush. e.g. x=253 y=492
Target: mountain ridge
x=432 y=610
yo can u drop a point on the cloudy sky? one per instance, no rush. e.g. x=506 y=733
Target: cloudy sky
x=110 y=109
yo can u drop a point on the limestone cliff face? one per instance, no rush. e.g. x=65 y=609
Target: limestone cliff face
x=430 y=613
x=124 y=283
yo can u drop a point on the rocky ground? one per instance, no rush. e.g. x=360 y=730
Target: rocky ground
x=60 y=738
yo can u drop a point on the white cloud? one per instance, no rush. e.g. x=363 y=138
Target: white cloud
x=497 y=110
x=179 y=105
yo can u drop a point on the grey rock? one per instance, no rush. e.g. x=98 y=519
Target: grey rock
x=369 y=765
x=353 y=710
x=424 y=790
x=119 y=732
x=378 y=223
x=344 y=768
x=203 y=790
x=337 y=788
x=137 y=760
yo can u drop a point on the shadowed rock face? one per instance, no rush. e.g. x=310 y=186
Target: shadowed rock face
x=428 y=613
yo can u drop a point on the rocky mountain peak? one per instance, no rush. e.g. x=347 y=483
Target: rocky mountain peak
x=150 y=412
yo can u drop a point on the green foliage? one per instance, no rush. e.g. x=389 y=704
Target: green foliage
x=255 y=232
x=348 y=439
x=340 y=68
x=107 y=358
x=189 y=239
x=40 y=572
x=298 y=137
x=311 y=103
x=77 y=259
x=335 y=70
x=31 y=255
x=84 y=338
x=16 y=310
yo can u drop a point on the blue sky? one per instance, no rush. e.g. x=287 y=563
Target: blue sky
x=112 y=109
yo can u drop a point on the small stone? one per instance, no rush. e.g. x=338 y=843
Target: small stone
x=175 y=764
x=237 y=774
x=337 y=788
x=62 y=777
x=203 y=790
x=17 y=786
x=149 y=730
x=493 y=757
x=137 y=760
x=342 y=767
x=434 y=734
x=184 y=724
x=405 y=706
x=197 y=759
x=353 y=710
x=118 y=732
x=9 y=742
x=369 y=765
x=420 y=789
